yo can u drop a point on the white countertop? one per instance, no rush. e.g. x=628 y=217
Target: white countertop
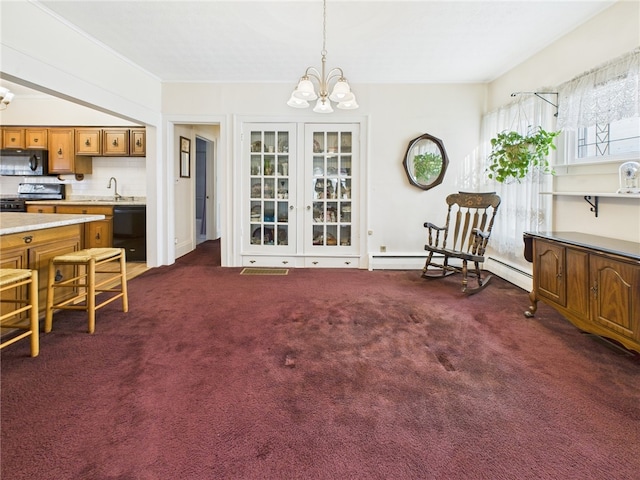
x=14 y=222
x=91 y=201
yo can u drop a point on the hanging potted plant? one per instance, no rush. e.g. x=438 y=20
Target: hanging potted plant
x=513 y=155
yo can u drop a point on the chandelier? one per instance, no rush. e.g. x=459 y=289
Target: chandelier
x=5 y=98
x=305 y=92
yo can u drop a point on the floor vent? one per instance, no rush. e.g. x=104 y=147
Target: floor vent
x=264 y=271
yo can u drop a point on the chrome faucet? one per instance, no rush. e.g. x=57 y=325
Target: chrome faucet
x=115 y=182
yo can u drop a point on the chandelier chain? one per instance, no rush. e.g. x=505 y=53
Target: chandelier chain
x=324 y=27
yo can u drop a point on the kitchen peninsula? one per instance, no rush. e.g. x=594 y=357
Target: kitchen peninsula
x=30 y=240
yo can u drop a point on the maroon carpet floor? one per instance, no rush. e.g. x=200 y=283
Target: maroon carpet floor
x=320 y=374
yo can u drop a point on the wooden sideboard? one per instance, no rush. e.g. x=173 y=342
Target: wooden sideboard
x=593 y=281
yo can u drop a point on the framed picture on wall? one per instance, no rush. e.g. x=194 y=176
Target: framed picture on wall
x=185 y=157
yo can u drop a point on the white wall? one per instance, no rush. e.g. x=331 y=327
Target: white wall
x=612 y=33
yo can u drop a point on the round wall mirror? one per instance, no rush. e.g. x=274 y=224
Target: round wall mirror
x=426 y=161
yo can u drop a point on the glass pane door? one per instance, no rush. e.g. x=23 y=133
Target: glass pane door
x=270 y=186
x=330 y=176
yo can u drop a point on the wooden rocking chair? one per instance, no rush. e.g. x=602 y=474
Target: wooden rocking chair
x=466 y=239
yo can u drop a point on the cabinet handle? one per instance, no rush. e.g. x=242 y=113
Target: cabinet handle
x=138 y=143
x=252 y=261
x=559 y=275
x=84 y=211
x=60 y=151
x=98 y=236
x=87 y=142
x=285 y=262
x=594 y=289
x=13 y=139
x=35 y=140
x=315 y=263
x=115 y=142
x=28 y=239
x=347 y=263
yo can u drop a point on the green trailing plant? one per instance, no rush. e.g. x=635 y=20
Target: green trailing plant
x=513 y=155
x=427 y=166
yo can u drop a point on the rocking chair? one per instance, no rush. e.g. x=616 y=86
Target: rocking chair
x=472 y=215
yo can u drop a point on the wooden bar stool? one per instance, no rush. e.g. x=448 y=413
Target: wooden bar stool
x=15 y=279
x=92 y=276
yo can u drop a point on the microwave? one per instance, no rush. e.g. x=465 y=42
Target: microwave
x=24 y=162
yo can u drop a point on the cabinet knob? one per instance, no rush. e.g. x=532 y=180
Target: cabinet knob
x=115 y=142
x=87 y=142
x=138 y=143
x=594 y=289
x=59 y=151
x=98 y=236
x=35 y=140
x=308 y=207
x=28 y=239
x=290 y=207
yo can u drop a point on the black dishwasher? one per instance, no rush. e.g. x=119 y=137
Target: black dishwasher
x=129 y=230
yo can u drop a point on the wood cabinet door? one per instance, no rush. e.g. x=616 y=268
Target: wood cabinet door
x=577 y=284
x=88 y=141
x=13 y=258
x=550 y=271
x=13 y=137
x=99 y=234
x=61 y=153
x=115 y=142
x=138 y=142
x=615 y=299
x=39 y=256
x=36 y=138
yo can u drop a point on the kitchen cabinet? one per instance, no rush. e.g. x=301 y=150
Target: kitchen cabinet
x=88 y=141
x=138 y=142
x=97 y=234
x=62 y=158
x=34 y=250
x=593 y=281
x=36 y=139
x=115 y=142
x=13 y=137
x=299 y=207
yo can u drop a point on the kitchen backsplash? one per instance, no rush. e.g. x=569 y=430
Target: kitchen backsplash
x=130 y=172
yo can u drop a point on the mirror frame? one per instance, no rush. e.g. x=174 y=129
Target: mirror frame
x=408 y=157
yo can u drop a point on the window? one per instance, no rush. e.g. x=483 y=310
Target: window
x=615 y=140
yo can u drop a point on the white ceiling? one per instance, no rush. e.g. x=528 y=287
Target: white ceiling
x=416 y=41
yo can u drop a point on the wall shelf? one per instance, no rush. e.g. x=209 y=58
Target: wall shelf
x=592 y=197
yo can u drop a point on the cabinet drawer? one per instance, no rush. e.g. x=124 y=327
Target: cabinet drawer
x=86 y=209
x=269 y=261
x=41 y=209
x=331 y=262
x=38 y=236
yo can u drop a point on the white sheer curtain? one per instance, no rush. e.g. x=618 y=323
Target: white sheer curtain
x=522 y=207
x=603 y=95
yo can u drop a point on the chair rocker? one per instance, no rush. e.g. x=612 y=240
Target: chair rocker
x=463 y=237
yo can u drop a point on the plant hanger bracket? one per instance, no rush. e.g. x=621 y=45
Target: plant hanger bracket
x=540 y=96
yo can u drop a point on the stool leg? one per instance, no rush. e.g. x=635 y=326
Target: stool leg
x=123 y=282
x=91 y=294
x=35 y=328
x=48 y=319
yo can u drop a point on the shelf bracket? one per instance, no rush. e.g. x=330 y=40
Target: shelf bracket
x=594 y=203
x=539 y=95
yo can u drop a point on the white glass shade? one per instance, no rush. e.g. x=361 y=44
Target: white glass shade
x=7 y=98
x=348 y=105
x=305 y=90
x=323 y=107
x=341 y=92
x=296 y=102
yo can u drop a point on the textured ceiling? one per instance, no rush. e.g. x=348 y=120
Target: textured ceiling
x=373 y=41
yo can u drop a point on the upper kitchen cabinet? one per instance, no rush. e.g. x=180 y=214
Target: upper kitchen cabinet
x=20 y=137
x=36 y=138
x=115 y=142
x=62 y=158
x=13 y=137
x=88 y=141
x=137 y=142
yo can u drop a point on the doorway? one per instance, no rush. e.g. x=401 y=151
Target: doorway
x=205 y=193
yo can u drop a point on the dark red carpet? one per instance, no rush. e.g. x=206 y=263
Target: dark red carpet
x=321 y=374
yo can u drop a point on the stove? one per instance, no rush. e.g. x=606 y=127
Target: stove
x=31 y=192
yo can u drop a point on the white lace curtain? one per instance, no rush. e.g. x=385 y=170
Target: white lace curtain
x=603 y=95
x=522 y=208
